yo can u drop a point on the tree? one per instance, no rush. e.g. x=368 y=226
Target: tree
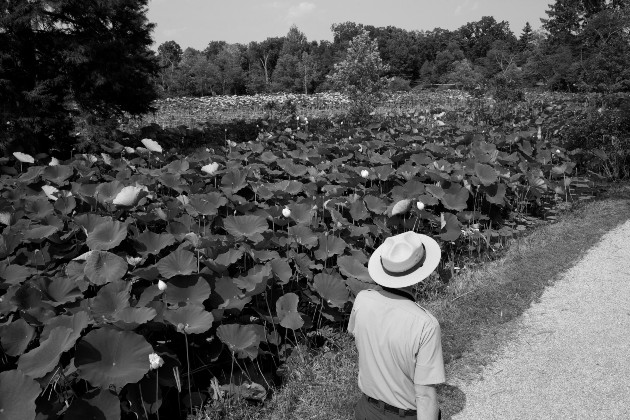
x=169 y=55
x=57 y=56
x=526 y=37
x=476 y=38
x=360 y=75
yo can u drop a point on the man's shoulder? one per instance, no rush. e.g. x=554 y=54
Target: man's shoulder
x=403 y=306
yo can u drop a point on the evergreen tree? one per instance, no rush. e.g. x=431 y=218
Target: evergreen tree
x=526 y=37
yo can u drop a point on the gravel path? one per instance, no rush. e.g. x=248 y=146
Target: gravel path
x=569 y=357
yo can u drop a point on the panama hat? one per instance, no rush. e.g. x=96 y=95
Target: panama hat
x=404 y=260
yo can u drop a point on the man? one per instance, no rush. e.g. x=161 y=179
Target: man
x=399 y=342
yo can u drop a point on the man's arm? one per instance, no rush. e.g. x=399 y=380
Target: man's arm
x=426 y=402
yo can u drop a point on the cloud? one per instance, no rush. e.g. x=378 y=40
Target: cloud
x=466 y=5
x=302 y=9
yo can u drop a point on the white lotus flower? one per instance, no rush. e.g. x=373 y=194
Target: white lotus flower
x=106 y=158
x=130 y=149
x=152 y=145
x=210 y=168
x=183 y=199
x=54 y=162
x=161 y=285
x=365 y=173
x=286 y=212
x=401 y=207
x=155 y=360
x=420 y=205
x=49 y=190
x=23 y=157
x=5 y=218
x=128 y=196
x=134 y=260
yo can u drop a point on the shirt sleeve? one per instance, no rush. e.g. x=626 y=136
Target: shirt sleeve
x=429 y=360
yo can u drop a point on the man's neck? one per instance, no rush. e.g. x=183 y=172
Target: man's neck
x=406 y=293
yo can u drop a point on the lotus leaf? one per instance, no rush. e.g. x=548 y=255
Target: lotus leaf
x=332 y=288
x=351 y=267
x=110 y=299
x=39 y=209
x=229 y=257
x=14 y=273
x=104 y=406
x=249 y=226
x=286 y=308
x=177 y=263
x=102 y=267
x=302 y=213
x=207 y=204
x=16 y=336
x=487 y=175
x=240 y=339
x=190 y=319
x=17 y=396
x=129 y=196
x=375 y=204
x=303 y=235
x=42 y=359
x=358 y=210
x=282 y=270
x=234 y=180
x=63 y=290
x=135 y=316
x=107 y=191
x=257 y=275
x=455 y=198
x=496 y=194
x=330 y=245
x=106 y=235
x=107 y=357
x=149 y=243
x=77 y=323
x=401 y=207
x=152 y=145
x=192 y=290
x=450 y=227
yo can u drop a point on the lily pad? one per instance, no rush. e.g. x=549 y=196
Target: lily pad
x=103 y=267
x=177 y=263
x=107 y=235
x=240 y=339
x=250 y=226
x=17 y=396
x=331 y=288
x=190 y=319
x=286 y=308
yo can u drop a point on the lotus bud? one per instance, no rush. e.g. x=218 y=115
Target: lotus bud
x=54 y=162
x=129 y=149
x=420 y=205
x=339 y=225
x=210 y=168
x=286 y=212
x=155 y=360
x=162 y=286
x=365 y=173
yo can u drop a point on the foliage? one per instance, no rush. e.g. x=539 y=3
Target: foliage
x=360 y=76
x=64 y=56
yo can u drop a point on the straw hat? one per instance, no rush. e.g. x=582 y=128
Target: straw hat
x=404 y=260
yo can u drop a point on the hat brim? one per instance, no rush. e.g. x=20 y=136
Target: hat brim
x=432 y=259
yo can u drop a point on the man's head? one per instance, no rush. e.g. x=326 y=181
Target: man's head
x=404 y=260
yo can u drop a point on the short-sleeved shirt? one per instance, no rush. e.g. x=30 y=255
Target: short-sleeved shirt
x=399 y=345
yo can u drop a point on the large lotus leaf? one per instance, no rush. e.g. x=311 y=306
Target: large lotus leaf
x=106 y=235
x=234 y=180
x=129 y=196
x=351 y=267
x=103 y=267
x=189 y=290
x=89 y=221
x=15 y=337
x=289 y=187
x=282 y=270
x=243 y=339
x=250 y=226
x=76 y=322
x=174 y=181
x=39 y=209
x=107 y=357
x=152 y=243
x=358 y=210
x=428 y=200
x=229 y=257
x=286 y=308
x=302 y=213
x=65 y=205
x=17 y=396
x=330 y=245
x=496 y=194
x=107 y=191
x=455 y=198
x=58 y=174
x=15 y=274
x=293 y=169
x=255 y=276
x=135 y=316
x=268 y=157
x=303 y=235
x=486 y=173
x=190 y=319
x=401 y=207
x=42 y=359
x=111 y=298
x=435 y=190
x=450 y=227
x=207 y=204
x=375 y=204
x=178 y=263
x=331 y=288
x=103 y=406
x=148 y=295
x=63 y=290
x=232 y=296
x=38 y=233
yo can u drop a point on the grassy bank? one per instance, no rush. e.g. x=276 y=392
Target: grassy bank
x=475 y=314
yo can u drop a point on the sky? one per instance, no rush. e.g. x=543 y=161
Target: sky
x=194 y=23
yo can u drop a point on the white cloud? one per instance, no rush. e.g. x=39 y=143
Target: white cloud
x=302 y=9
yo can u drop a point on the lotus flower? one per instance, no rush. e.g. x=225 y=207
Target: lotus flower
x=54 y=162
x=183 y=199
x=365 y=173
x=134 y=260
x=420 y=205
x=162 y=285
x=210 y=168
x=286 y=212
x=23 y=157
x=5 y=218
x=152 y=145
x=128 y=196
x=155 y=360
x=130 y=149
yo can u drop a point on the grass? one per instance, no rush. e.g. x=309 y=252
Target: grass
x=476 y=314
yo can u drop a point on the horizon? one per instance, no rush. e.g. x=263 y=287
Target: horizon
x=194 y=23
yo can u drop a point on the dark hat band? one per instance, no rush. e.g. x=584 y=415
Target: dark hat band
x=408 y=271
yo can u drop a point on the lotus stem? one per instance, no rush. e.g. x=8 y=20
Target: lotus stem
x=157 y=385
x=188 y=367
x=142 y=401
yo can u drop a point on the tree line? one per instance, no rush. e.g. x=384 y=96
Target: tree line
x=583 y=45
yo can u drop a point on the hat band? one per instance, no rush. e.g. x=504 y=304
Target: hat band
x=409 y=270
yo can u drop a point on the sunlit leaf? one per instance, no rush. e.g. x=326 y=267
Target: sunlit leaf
x=240 y=339
x=107 y=235
x=16 y=336
x=190 y=319
x=332 y=288
x=102 y=267
x=17 y=396
x=286 y=308
x=177 y=263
